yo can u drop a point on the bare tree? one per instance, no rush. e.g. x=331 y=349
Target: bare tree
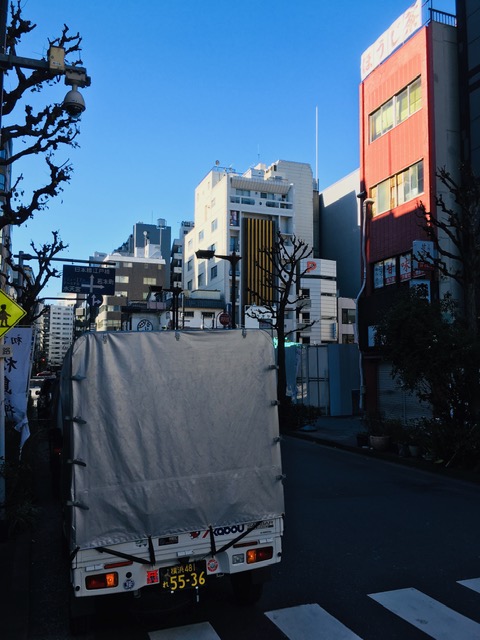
x=29 y=286
x=41 y=132
x=280 y=269
x=459 y=257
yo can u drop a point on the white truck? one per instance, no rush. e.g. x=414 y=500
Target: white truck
x=171 y=470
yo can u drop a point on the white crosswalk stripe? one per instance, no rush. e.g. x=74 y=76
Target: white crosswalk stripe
x=473 y=584
x=201 y=631
x=310 y=622
x=429 y=615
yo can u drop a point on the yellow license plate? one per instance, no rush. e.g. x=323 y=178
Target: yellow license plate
x=184 y=576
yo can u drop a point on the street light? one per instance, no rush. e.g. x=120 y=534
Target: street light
x=233 y=259
x=175 y=291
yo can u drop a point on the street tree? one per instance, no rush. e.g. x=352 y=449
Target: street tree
x=280 y=269
x=39 y=132
x=455 y=234
x=29 y=283
x=434 y=345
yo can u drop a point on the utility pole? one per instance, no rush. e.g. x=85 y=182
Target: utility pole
x=74 y=105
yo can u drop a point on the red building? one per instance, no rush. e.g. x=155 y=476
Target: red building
x=409 y=127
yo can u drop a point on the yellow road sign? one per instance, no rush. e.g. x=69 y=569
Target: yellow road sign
x=10 y=313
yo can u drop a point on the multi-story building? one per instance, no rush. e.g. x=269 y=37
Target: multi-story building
x=56 y=332
x=144 y=237
x=242 y=214
x=134 y=276
x=468 y=34
x=176 y=257
x=409 y=128
x=139 y=265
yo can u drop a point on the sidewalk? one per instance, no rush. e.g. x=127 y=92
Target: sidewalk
x=341 y=431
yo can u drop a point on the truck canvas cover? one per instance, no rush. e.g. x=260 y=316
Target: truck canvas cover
x=169 y=432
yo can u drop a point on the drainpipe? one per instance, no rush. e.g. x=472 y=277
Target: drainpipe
x=366 y=202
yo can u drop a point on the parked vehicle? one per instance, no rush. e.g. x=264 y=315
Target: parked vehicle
x=45 y=397
x=172 y=470
x=35 y=384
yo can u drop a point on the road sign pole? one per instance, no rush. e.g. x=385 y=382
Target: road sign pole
x=3 y=493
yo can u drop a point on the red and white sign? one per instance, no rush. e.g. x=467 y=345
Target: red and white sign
x=224 y=319
x=391 y=39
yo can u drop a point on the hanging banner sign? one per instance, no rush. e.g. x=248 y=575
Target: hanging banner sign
x=17 y=369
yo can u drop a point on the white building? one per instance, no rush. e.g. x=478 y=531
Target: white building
x=243 y=213
x=56 y=332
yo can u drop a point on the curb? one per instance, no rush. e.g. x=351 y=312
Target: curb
x=414 y=463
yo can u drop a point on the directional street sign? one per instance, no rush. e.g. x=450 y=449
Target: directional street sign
x=10 y=313
x=94 y=300
x=87 y=280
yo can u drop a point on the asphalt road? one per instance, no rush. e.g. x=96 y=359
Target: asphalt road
x=356 y=527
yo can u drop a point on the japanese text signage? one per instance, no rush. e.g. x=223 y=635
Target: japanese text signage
x=87 y=280
x=391 y=39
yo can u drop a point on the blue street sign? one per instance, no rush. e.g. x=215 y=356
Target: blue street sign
x=87 y=280
x=94 y=300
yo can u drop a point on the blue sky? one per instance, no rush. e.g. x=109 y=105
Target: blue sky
x=180 y=84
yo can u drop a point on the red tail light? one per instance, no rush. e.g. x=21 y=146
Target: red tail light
x=259 y=555
x=102 y=581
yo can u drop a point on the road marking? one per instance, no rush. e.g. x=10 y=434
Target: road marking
x=425 y=613
x=201 y=631
x=310 y=622
x=473 y=584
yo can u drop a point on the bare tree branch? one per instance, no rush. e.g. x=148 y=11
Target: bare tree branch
x=27 y=285
x=41 y=133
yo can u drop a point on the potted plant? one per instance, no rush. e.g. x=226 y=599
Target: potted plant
x=414 y=439
x=376 y=426
x=363 y=439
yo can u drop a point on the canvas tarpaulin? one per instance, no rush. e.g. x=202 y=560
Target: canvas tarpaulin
x=170 y=432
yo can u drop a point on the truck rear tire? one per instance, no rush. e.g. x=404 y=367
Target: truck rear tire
x=246 y=588
x=81 y=613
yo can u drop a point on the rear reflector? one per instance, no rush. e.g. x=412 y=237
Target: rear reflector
x=115 y=565
x=102 y=581
x=259 y=555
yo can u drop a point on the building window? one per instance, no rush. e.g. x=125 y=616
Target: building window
x=214 y=224
x=122 y=279
x=190 y=264
x=213 y=272
x=189 y=285
x=348 y=316
x=149 y=281
x=398 y=189
x=200 y=280
x=396 y=110
x=200 y=235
